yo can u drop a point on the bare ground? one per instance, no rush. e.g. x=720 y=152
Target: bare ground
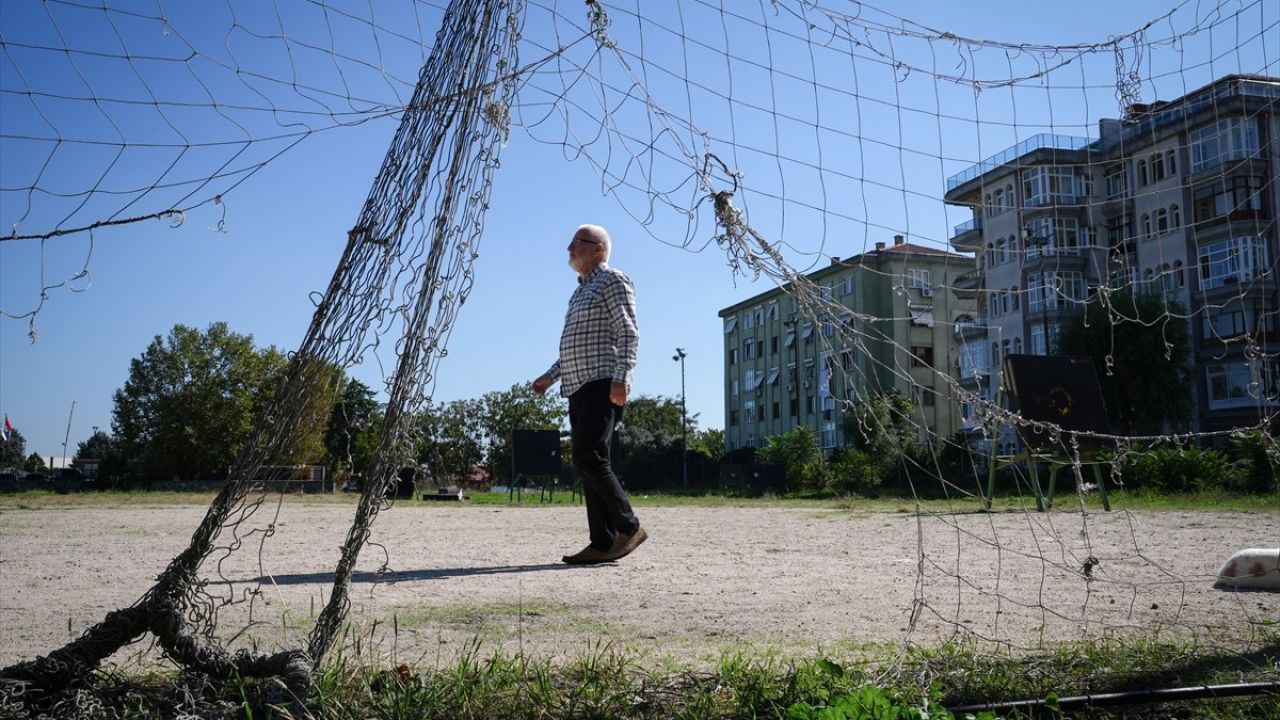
x=710 y=580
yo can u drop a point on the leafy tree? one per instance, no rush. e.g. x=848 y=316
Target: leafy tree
x=34 y=463
x=708 y=443
x=882 y=426
x=317 y=381
x=96 y=447
x=13 y=452
x=652 y=443
x=501 y=413
x=449 y=439
x=191 y=400
x=354 y=428
x=1141 y=349
x=796 y=450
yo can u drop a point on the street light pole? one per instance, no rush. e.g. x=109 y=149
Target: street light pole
x=684 y=423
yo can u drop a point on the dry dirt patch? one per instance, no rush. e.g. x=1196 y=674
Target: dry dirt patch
x=710 y=579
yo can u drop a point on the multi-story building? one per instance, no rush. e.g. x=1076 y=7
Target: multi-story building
x=881 y=320
x=1179 y=196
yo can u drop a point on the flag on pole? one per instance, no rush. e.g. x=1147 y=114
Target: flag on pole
x=8 y=429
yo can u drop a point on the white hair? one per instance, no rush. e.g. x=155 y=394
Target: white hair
x=600 y=235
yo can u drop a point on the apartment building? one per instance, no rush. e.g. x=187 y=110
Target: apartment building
x=1178 y=196
x=885 y=322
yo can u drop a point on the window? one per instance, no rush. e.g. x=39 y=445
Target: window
x=733 y=418
x=759 y=313
x=748 y=320
x=921 y=356
x=846 y=360
x=794 y=407
x=1230 y=139
x=1232 y=260
x=1179 y=274
x=749 y=412
x=973 y=360
x=733 y=387
x=807 y=333
x=808 y=404
x=1225 y=324
x=773 y=345
x=1161 y=219
x=808 y=369
x=987 y=206
x=1050 y=186
x=791 y=339
x=1224 y=197
x=1171 y=162
x=1157 y=167
x=846 y=285
x=773 y=375
x=998 y=200
x=1119 y=230
x=733 y=356
x=917 y=278
x=828 y=436
x=773 y=311
x=1039 y=343
x=749 y=349
x=1001 y=253
x=730 y=323
x=1143 y=180
x=1146 y=225
x=1242 y=383
x=1052 y=289
x=1052 y=236
x=753 y=379
x=1117 y=183
x=1175 y=217
x=1008 y=197
x=777 y=410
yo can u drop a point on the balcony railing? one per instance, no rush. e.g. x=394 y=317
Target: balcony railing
x=968 y=226
x=1035 y=142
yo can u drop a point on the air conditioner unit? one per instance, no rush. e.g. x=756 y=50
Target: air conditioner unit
x=926 y=292
x=791 y=387
x=808 y=383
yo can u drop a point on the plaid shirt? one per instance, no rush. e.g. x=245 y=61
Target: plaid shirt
x=600 y=336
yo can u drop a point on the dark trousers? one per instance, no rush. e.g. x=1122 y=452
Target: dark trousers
x=592 y=419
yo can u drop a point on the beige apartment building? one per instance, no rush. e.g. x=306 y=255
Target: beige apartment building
x=1179 y=196
x=886 y=322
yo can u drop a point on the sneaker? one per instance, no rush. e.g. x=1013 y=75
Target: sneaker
x=588 y=556
x=624 y=544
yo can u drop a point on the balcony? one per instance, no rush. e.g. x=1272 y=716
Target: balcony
x=968 y=235
x=1036 y=142
x=965 y=285
x=971 y=329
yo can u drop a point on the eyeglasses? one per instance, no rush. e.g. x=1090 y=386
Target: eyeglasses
x=584 y=240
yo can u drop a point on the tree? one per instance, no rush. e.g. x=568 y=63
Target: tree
x=449 y=439
x=1141 y=350
x=13 y=452
x=501 y=413
x=96 y=447
x=882 y=426
x=191 y=400
x=798 y=452
x=34 y=463
x=354 y=428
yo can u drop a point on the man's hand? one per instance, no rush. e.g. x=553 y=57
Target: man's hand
x=541 y=384
x=618 y=393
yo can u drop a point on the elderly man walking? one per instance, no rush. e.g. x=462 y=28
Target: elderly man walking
x=597 y=357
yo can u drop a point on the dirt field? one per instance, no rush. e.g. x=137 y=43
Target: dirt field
x=794 y=581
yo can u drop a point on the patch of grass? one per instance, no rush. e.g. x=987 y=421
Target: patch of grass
x=361 y=680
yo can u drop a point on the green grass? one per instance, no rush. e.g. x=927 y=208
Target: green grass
x=605 y=683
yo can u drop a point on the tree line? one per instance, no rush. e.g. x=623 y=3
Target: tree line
x=192 y=398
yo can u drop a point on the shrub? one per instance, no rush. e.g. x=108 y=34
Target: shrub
x=852 y=471
x=1258 y=459
x=1178 y=470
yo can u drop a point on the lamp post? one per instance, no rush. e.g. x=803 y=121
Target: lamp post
x=684 y=423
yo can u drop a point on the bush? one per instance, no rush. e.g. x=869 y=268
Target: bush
x=1178 y=470
x=851 y=471
x=1258 y=459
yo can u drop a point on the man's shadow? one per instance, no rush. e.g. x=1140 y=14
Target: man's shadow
x=394 y=576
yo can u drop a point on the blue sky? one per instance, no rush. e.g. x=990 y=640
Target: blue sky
x=875 y=155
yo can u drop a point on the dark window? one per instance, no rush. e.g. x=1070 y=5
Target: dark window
x=921 y=356
x=777 y=410
x=795 y=407
x=733 y=418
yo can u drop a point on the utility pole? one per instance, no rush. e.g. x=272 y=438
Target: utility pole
x=684 y=423
x=67 y=436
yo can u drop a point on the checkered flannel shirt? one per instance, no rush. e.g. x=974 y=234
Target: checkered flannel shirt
x=600 y=336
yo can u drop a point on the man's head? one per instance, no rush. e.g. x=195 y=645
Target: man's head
x=589 y=247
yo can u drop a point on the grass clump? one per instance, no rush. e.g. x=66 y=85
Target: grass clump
x=604 y=683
